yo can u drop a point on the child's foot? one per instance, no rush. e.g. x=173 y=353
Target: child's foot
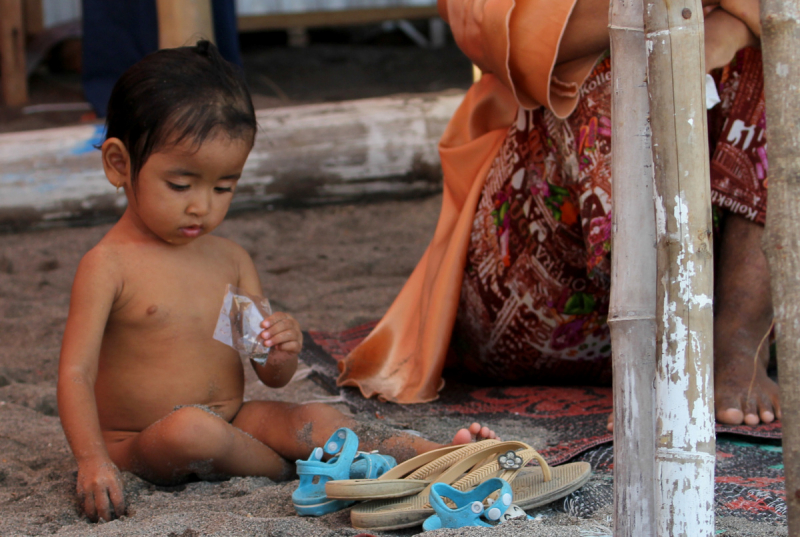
x=474 y=433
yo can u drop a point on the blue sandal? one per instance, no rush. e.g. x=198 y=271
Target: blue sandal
x=309 y=498
x=470 y=509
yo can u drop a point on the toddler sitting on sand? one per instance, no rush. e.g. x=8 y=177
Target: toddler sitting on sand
x=142 y=386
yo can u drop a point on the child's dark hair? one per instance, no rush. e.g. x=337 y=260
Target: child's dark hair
x=178 y=94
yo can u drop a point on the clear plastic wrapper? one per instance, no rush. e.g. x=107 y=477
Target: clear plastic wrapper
x=239 y=324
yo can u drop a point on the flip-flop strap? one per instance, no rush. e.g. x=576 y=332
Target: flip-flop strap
x=430 y=463
x=344 y=444
x=371 y=465
x=475 y=460
x=493 y=468
x=440 y=464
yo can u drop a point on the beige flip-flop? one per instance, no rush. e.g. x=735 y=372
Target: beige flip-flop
x=532 y=487
x=409 y=477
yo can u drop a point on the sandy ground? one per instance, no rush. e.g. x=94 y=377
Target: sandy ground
x=332 y=267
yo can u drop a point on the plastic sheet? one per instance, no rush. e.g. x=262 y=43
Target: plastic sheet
x=239 y=324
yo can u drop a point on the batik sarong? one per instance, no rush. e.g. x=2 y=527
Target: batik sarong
x=535 y=293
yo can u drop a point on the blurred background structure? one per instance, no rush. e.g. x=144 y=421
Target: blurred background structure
x=61 y=58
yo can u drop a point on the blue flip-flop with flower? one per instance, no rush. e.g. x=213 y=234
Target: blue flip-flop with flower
x=487 y=505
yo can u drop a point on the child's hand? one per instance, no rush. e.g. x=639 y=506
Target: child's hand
x=282 y=333
x=99 y=489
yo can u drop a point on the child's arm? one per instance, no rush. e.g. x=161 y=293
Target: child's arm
x=282 y=333
x=99 y=485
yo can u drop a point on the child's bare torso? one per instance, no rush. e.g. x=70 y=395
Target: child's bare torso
x=157 y=351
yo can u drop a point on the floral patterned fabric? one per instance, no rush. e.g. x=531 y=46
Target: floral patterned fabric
x=535 y=294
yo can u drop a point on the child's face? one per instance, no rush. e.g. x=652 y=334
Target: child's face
x=183 y=192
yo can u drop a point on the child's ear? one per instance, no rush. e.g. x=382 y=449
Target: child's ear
x=116 y=162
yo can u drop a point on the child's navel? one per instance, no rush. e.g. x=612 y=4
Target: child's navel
x=152 y=309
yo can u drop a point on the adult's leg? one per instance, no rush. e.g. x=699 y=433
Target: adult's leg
x=192 y=440
x=294 y=430
x=743 y=316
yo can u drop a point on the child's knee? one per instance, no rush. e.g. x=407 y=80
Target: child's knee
x=315 y=422
x=195 y=434
x=319 y=413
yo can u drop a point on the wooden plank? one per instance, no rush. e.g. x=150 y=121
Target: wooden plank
x=183 y=22
x=277 y=21
x=311 y=154
x=13 y=76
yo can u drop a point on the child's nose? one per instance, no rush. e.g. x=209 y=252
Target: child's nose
x=200 y=203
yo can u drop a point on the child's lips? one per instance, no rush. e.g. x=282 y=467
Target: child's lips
x=191 y=231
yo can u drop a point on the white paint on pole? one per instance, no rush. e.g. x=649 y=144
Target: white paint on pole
x=685 y=438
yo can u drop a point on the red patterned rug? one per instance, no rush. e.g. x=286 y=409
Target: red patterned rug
x=577 y=415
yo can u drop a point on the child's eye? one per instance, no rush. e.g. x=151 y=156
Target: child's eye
x=223 y=189
x=179 y=188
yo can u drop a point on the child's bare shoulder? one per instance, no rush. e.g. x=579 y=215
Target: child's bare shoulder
x=226 y=247
x=103 y=257
x=100 y=274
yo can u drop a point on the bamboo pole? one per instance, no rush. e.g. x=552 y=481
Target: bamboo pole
x=685 y=440
x=780 y=42
x=183 y=22
x=632 y=311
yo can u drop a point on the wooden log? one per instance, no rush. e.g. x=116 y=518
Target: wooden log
x=13 y=76
x=311 y=154
x=685 y=437
x=780 y=42
x=632 y=311
x=183 y=22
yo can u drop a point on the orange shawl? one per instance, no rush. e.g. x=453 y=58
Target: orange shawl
x=515 y=44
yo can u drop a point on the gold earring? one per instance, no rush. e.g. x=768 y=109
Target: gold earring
x=118 y=187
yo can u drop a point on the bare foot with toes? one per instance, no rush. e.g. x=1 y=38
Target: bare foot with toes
x=474 y=433
x=743 y=393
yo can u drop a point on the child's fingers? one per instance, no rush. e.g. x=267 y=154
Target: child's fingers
x=276 y=318
x=117 y=500
x=89 y=506
x=283 y=337
x=281 y=326
x=291 y=347
x=102 y=505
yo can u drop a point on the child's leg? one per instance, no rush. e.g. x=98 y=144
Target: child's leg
x=294 y=430
x=191 y=440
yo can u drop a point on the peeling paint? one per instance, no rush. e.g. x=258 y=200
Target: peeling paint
x=685 y=422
